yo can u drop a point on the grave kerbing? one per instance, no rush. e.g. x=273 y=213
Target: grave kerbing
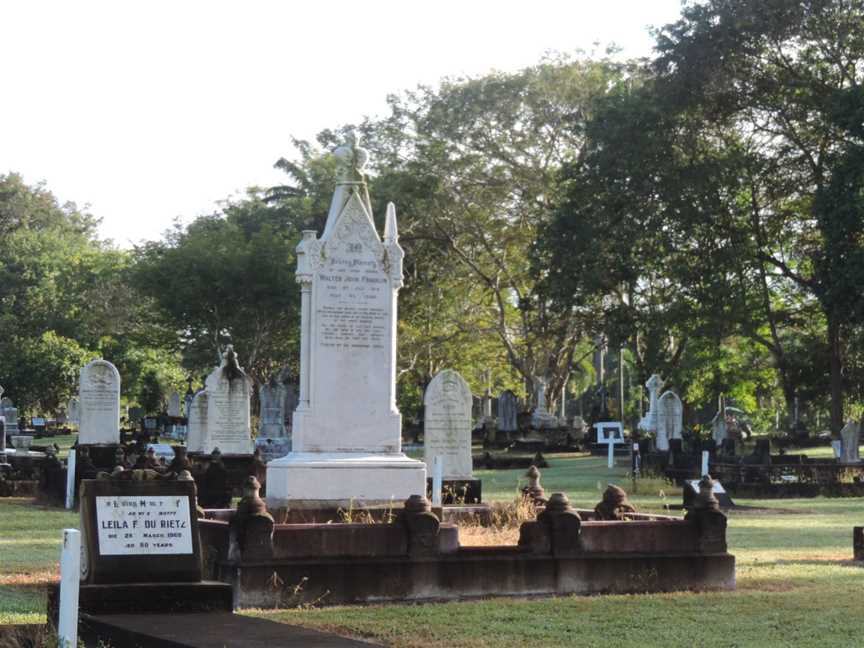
x=346 y=445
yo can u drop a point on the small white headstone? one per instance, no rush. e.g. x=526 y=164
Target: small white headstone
x=447 y=424
x=99 y=397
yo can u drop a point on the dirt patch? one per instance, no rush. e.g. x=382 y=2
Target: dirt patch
x=30 y=578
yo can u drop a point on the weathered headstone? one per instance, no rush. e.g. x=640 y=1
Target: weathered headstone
x=196 y=435
x=99 y=398
x=174 y=404
x=273 y=438
x=670 y=413
x=447 y=424
x=850 y=435
x=229 y=425
x=508 y=409
x=347 y=430
x=272 y=419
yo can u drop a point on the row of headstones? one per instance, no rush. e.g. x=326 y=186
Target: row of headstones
x=218 y=417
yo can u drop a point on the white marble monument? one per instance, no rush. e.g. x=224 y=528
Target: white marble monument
x=447 y=424
x=99 y=403
x=346 y=444
x=670 y=419
x=229 y=424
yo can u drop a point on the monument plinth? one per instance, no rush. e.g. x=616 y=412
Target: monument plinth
x=347 y=447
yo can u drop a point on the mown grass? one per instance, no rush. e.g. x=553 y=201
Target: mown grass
x=797 y=584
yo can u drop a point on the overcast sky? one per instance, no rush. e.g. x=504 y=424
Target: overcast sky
x=147 y=111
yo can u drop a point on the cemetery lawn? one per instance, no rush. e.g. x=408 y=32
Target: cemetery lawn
x=797 y=584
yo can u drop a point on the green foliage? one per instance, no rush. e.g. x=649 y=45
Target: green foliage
x=229 y=278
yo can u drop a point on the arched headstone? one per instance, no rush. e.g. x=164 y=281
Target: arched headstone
x=447 y=424
x=99 y=402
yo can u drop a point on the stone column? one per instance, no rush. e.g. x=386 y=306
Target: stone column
x=305 y=281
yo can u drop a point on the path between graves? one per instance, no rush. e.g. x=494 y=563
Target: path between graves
x=208 y=630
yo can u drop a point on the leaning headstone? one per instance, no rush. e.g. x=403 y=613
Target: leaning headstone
x=196 y=434
x=174 y=404
x=229 y=425
x=99 y=396
x=850 y=436
x=447 y=424
x=73 y=411
x=508 y=409
x=670 y=414
x=347 y=429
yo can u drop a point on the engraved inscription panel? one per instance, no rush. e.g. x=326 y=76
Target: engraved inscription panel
x=143 y=525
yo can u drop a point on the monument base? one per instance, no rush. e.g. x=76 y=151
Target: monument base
x=273 y=447
x=318 y=480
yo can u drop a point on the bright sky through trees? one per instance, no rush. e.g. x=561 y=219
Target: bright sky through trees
x=151 y=110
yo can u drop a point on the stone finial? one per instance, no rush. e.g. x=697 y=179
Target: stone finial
x=710 y=522
x=534 y=491
x=417 y=504
x=421 y=525
x=706 y=500
x=557 y=530
x=558 y=503
x=351 y=159
x=614 y=505
x=251 y=528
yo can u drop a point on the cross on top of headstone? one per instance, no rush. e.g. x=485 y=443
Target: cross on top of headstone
x=655 y=382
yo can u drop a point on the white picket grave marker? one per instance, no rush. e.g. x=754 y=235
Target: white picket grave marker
x=437 y=480
x=70 y=480
x=704 y=462
x=70 y=575
x=611 y=462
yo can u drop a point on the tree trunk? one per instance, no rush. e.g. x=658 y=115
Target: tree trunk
x=836 y=363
